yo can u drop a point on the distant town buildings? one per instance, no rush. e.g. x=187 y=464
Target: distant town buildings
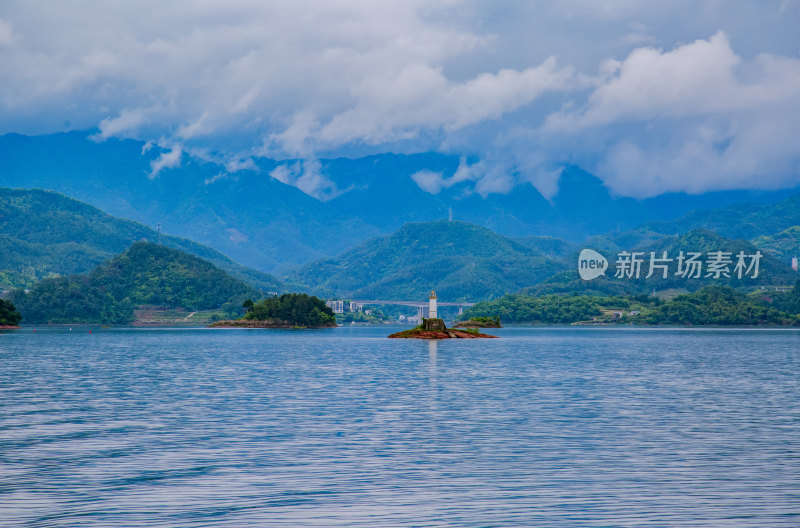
x=424 y=310
x=336 y=306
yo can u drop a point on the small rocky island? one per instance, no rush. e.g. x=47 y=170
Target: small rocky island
x=434 y=328
x=290 y=310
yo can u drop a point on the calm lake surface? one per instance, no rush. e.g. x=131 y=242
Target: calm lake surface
x=343 y=427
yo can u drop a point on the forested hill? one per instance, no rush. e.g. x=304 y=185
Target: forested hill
x=145 y=274
x=783 y=245
x=461 y=261
x=44 y=233
x=771 y=271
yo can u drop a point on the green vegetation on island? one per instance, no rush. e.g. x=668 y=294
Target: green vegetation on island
x=711 y=305
x=9 y=316
x=144 y=275
x=287 y=311
x=435 y=329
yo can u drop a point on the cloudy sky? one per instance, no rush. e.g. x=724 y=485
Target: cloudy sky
x=650 y=96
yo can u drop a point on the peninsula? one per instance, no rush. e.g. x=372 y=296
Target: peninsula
x=480 y=322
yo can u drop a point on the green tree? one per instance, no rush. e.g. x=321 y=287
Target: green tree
x=297 y=309
x=9 y=314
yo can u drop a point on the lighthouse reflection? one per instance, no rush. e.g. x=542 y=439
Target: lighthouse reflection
x=432 y=344
x=433 y=384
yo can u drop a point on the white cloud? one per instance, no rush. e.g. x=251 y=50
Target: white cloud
x=307 y=176
x=397 y=105
x=433 y=182
x=626 y=88
x=239 y=164
x=694 y=119
x=127 y=122
x=429 y=181
x=220 y=176
x=696 y=78
x=286 y=173
x=167 y=160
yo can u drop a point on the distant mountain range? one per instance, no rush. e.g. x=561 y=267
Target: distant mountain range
x=265 y=224
x=769 y=223
x=375 y=239
x=44 y=233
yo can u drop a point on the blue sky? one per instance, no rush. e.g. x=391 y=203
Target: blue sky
x=652 y=97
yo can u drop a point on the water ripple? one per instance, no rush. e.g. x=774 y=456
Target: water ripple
x=545 y=427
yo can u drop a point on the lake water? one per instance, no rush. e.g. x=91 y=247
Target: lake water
x=343 y=427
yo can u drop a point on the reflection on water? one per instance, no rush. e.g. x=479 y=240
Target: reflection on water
x=544 y=427
x=432 y=344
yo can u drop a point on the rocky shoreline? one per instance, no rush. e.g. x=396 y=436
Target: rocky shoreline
x=420 y=333
x=436 y=329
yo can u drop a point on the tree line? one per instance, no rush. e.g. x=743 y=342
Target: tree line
x=712 y=305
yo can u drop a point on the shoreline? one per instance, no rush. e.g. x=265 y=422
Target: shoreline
x=450 y=333
x=27 y=326
x=249 y=323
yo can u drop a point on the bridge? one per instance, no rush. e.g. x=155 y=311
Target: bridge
x=421 y=306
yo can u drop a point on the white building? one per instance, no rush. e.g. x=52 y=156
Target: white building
x=336 y=306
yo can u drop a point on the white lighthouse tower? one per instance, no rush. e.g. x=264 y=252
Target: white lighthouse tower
x=432 y=306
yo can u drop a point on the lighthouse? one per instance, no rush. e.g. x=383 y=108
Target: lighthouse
x=432 y=306
x=433 y=323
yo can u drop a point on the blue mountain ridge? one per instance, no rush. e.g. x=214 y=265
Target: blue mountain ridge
x=274 y=227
